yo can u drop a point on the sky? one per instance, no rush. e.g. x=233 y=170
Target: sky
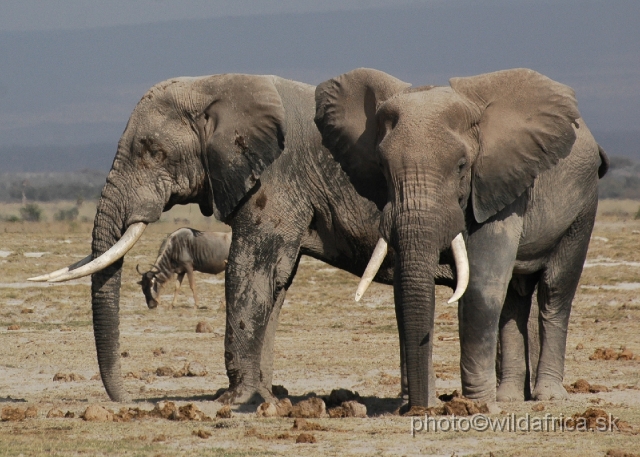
x=23 y=15
x=72 y=71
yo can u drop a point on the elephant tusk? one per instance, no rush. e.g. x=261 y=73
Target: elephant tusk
x=118 y=250
x=462 y=267
x=62 y=271
x=379 y=253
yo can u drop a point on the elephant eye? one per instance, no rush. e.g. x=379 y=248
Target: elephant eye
x=461 y=165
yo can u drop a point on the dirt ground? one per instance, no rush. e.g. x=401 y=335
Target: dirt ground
x=325 y=341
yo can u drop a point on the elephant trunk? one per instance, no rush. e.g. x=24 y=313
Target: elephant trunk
x=414 y=293
x=105 y=293
x=422 y=225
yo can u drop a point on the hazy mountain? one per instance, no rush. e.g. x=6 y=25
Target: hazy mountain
x=62 y=90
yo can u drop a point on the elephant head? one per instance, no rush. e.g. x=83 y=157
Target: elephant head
x=202 y=140
x=448 y=157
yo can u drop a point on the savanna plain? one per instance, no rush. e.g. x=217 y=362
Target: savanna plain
x=325 y=341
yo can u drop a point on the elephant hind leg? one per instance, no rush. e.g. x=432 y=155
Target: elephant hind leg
x=514 y=370
x=556 y=289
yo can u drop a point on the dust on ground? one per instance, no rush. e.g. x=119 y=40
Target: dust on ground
x=325 y=341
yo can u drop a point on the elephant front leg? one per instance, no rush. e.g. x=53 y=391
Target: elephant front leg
x=257 y=276
x=492 y=249
x=266 y=360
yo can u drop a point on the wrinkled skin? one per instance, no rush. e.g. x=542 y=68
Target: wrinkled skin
x=503 y=158
x=184 y=251
x=214 y=141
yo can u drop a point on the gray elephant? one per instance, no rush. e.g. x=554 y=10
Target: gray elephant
x=182 y=252
x=210 y=140
x=503 y=159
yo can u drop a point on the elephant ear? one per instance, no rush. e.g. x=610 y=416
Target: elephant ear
x=524 y=128
x=346 y=117
x=242 y=131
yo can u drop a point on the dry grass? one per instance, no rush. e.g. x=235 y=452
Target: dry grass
x=325 y=341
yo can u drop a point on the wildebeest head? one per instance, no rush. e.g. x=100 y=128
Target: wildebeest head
x=150 y=287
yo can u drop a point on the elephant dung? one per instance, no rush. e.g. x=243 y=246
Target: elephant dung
x=604 y=354
x=165 y=371
x=70 y=377
x=11 y=414
x=224 y=412
x=192 y=413
x=195 y=369
x=164 y=409
x=267 y=409
x=312 y=408
x=338 y=396
x=620 y=453
x=348 y=409
x=280 y=409
x=594 y=418
x=306 y=438
x=54 y=413
x=203 y=327
x=461 y=406
x=97 y=413
x=626 y=354
x=582 y=386
x=305 y=425
x=201 y=434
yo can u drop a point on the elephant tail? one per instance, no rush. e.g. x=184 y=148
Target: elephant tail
x=604 y=162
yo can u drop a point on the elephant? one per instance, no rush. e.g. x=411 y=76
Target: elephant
x=246 y=149
x=501 y=162
x=184 y=251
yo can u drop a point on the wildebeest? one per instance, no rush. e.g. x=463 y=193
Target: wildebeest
x=184 y=251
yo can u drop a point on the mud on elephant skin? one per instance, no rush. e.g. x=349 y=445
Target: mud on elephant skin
x=502 y=158
x=211 y=140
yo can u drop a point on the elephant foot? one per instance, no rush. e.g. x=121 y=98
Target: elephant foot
x=247 y=395
x=480 y=396
x=549 y=390
x=510 y=391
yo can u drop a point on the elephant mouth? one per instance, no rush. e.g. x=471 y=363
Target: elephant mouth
x=86 y=266
x=459 y=253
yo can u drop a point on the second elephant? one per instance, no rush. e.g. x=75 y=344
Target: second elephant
x=503 y=159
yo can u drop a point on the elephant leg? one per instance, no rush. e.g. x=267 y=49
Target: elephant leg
x=404 y=383
x=514 y=373
x=259 y=271
x=266 y=359
x=556 y=290
x=179 y=279
x=492 y=248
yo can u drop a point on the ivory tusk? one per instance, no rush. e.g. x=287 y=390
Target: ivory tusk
x=118 y=250
x=462 y=267
x=379 y=253
x=62 y=271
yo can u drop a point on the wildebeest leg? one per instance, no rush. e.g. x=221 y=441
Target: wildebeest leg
x=178 y=284
x=192 y=285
